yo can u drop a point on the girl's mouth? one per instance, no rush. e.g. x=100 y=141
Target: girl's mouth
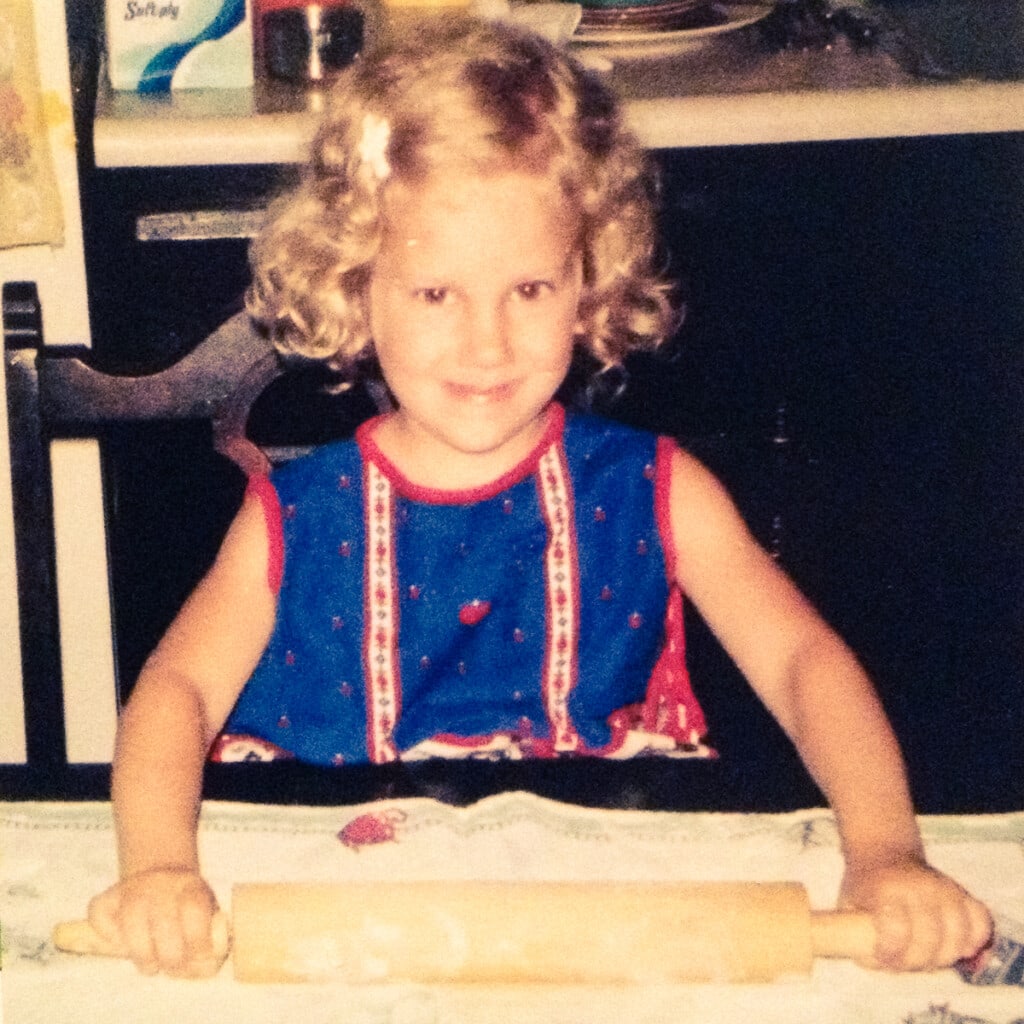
x=481 y=394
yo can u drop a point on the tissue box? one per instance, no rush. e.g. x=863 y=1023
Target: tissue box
x=157 y=45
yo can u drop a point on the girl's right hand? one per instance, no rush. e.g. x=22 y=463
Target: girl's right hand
x=161 y=919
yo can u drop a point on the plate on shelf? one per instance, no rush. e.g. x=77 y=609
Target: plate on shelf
x=667 y=14
x=641 y=35
x=595 y=8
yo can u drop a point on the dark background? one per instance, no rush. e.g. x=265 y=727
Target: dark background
x=850 y=365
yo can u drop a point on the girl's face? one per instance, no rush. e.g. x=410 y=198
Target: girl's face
x=473 y=305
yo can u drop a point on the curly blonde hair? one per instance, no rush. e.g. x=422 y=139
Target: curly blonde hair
x=480 y=98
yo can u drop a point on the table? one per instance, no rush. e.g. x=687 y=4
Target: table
x=57 y=854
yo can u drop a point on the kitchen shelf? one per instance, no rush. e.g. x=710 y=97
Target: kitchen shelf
x=731 y=91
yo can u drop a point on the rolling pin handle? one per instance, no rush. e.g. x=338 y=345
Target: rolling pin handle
x=81 y=937
x=842 y=934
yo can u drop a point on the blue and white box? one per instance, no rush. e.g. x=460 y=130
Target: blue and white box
x=157 y=45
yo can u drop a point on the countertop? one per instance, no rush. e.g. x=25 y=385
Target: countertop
x=929 y=67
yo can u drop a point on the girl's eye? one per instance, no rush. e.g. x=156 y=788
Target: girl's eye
x=432 y=296
x=531 y=290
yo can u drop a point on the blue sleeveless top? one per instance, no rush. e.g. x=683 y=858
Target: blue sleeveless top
x=534 y=617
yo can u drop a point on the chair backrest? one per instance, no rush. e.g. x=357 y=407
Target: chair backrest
x=55 y=392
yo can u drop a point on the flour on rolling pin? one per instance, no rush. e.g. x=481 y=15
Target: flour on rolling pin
x=379 y=951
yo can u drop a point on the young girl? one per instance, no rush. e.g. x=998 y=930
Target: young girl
x=479 y=573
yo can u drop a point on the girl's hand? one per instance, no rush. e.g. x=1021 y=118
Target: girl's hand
x=162 y=920
x=923 y=920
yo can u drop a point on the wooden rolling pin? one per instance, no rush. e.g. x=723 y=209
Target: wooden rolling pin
x=541 y=932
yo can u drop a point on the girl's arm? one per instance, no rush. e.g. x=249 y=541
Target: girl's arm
x=813 y=685
x=160 y=911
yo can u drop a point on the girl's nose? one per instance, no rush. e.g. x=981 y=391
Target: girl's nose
x=487 y=338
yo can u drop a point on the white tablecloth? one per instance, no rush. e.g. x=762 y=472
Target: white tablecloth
x=56 y=855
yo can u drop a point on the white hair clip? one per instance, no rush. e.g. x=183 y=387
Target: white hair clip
x=373 y=147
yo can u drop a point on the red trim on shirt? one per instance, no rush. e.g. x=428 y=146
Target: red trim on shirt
x=562 y=595
x=265 y=493
x=664 y=454
x=555 y=416
x=381 y=618
x=671 y=706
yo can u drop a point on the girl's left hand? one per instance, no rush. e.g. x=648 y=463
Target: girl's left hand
x=923 y=919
